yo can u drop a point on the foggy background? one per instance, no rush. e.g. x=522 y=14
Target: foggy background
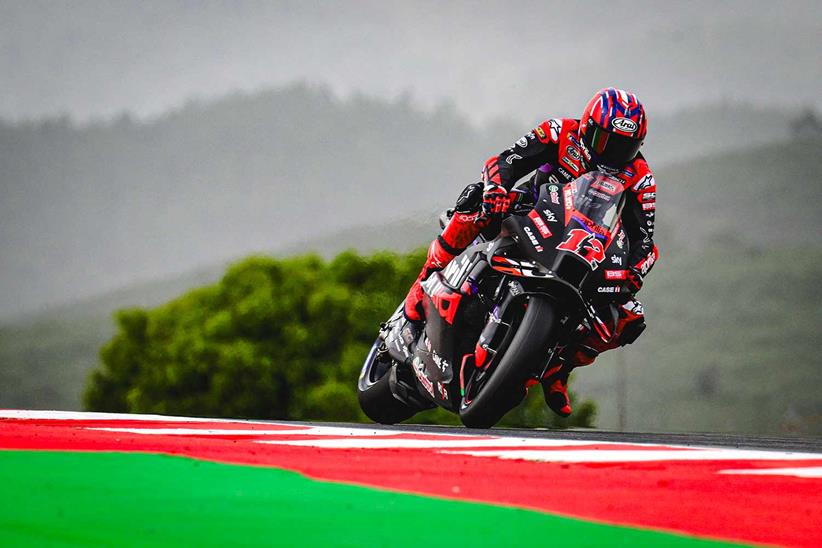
x=145 y=144
x=95 y=60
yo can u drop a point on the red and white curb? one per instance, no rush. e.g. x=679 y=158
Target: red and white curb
x=497 y=447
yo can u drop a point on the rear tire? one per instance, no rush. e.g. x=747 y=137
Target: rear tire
x=505 y=388
x=374 y=393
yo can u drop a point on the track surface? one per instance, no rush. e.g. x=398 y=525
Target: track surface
x=679 y=488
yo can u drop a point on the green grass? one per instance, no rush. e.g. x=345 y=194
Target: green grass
x=129 y=499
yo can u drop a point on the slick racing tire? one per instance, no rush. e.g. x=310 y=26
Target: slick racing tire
x=505 y=388
x=374 y=393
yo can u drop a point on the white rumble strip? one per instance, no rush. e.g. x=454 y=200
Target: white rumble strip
x=467 y=444
x=809 y=472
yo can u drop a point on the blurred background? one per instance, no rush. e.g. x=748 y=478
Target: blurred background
x=146 y=146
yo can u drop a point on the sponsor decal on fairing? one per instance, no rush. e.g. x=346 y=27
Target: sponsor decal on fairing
x=616 y=274
x=621 y=239
x=441 y=363
x=569 y=198
x=419 y=371
x=531 y=237
x=544 y=231
x=584 y=245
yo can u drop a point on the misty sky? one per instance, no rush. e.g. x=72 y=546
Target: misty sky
x=522 y=60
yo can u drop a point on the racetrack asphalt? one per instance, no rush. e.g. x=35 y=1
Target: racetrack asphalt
x=701 y=439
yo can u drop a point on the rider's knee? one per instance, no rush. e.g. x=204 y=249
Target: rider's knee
x=632 y=322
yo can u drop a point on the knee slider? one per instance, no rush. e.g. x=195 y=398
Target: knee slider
x=632 y=331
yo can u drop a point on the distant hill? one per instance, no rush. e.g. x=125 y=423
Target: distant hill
x=765 y=196
x=85 y=210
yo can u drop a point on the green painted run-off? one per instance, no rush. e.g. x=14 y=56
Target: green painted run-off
x=120 y=499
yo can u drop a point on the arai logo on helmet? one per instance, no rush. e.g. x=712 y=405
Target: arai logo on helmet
x=624 y=124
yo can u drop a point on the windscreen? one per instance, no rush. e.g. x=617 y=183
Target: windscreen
x=598 y=197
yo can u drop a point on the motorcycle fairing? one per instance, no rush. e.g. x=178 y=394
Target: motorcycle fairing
x=438 y=352
x=604 y=249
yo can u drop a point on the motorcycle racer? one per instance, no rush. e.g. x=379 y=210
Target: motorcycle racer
x=606 y=138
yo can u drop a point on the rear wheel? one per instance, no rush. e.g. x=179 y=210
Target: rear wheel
x=376 y=399
x=491 y=393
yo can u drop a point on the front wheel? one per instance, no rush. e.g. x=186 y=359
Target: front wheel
x=374 y=393
x=504 y=388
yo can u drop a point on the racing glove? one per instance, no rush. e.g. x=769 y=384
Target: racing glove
x=495 y=200
x=633 y=281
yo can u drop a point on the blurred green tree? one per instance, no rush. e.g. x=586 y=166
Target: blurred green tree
x=274 y=339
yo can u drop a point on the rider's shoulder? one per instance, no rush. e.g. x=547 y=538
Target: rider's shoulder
x=638 y=176
x=552 y=129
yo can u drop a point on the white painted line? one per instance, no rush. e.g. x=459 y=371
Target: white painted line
x=394 y=443
x=90 y=416
x=808 y=472
x=646 y=455
x=306 y=431
x=198 y=431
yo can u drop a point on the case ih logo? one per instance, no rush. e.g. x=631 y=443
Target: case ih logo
x=533 y=239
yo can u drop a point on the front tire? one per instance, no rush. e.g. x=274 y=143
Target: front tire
x=374 y=393
x=505 y=388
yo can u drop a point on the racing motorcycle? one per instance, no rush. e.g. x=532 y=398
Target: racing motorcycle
x=502 y=309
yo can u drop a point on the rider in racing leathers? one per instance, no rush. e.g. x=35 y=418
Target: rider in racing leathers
x=607 y=138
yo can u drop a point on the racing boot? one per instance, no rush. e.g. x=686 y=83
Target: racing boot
x=555 y=388
x=555 y=380
x=460 y=231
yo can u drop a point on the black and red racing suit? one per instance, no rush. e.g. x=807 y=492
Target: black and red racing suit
x=552 y=152
x=552 y=149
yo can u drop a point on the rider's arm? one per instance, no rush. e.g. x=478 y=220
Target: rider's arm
x=638 y=218
x=535 y=148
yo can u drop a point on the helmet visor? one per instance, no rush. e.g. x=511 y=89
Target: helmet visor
x=609 y=148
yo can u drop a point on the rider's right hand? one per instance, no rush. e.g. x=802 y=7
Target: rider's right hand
x=495 y=201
